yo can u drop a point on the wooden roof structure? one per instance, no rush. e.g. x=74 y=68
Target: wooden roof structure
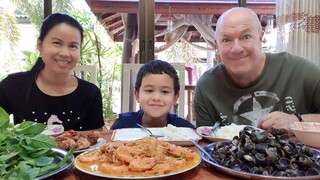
x=111 y=12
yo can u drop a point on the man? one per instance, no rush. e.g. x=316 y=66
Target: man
x=252 y=87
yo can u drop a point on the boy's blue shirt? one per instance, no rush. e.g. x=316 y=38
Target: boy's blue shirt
x=129 y=120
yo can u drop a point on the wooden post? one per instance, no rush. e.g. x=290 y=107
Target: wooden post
x=242 y=3
x=131 y=28
x=146 y=30
x=131 y=31
x=47 y=8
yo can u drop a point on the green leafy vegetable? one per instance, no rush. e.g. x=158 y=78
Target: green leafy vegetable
x=25 y=153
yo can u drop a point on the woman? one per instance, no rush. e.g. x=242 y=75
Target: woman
x=48 y=93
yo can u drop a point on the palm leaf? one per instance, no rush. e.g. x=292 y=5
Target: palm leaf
x=8 y=28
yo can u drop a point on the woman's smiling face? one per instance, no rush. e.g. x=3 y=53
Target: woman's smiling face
x=60 y=49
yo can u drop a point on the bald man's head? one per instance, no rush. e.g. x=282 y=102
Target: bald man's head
x=238 y=12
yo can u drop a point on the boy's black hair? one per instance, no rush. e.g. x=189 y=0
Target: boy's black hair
x=158 y=67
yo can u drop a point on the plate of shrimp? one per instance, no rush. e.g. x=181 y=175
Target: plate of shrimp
x=145 y=158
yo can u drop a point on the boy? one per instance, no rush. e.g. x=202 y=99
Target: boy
x=156 y=90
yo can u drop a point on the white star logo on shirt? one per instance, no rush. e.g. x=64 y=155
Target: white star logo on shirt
x=256 y=113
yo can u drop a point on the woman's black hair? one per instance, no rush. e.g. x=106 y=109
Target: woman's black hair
x=158 y=67
x=50 y=22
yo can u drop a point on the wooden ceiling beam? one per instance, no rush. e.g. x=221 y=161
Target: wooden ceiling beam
x=119 y=38
x=110 y=17
x=100 y=6
x=110 y=13
x=116 y=29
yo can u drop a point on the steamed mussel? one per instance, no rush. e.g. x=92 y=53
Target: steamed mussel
x=267 y=153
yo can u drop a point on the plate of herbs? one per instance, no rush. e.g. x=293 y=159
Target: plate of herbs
x=26 y=153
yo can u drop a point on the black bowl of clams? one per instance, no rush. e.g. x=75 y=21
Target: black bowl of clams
x=259 y=154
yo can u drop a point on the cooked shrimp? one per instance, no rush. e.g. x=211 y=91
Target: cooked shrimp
x=161 y=169
x=110 y=147
x=179 y=151
x=111 y=168
x=90 y=157
x=124 y=153
x=177 y=163
x=142 y=164
x=149 y=147
x=173 y=163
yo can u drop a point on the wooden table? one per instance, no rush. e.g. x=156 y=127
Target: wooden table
x=202 y=172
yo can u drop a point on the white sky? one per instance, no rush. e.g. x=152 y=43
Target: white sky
x=6 y=4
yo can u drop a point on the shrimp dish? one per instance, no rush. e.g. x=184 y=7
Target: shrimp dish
x=143 y=157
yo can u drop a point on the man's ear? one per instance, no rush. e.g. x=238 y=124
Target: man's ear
x=261 y=36
x=136 y=95
x=216 y=47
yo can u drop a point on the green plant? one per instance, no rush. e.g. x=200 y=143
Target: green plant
x=25 y=153
x=34 y=9
x=30 y=59
x=9 y=35
x=8 y=28
x=98 y=49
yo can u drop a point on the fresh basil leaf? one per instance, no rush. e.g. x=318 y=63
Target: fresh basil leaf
x=53 y=167
x=24 y=152
x=47 y=169
x=3 y=137
x=23 y=125
x=6 y=157
x=4 y=120
x=13 y=178
x=44 y=161
x=66 y=157
x=35 y=129
x=28 y=172
x=29 y=128
x=4 y=117
x=40 y=141
x=29 y=161
x=28 y=148
x=38 y=153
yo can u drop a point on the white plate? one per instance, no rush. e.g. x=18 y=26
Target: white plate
x=130 y=134
x=205 y=132
x=95 y=171
x=100 y=142
x=53 y=130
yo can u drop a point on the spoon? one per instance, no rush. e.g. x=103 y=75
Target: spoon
x=212 y=131
x=204 y=151
x=215 y=126
x=150 y=133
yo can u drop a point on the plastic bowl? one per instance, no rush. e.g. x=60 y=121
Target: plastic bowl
x=307 y=132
